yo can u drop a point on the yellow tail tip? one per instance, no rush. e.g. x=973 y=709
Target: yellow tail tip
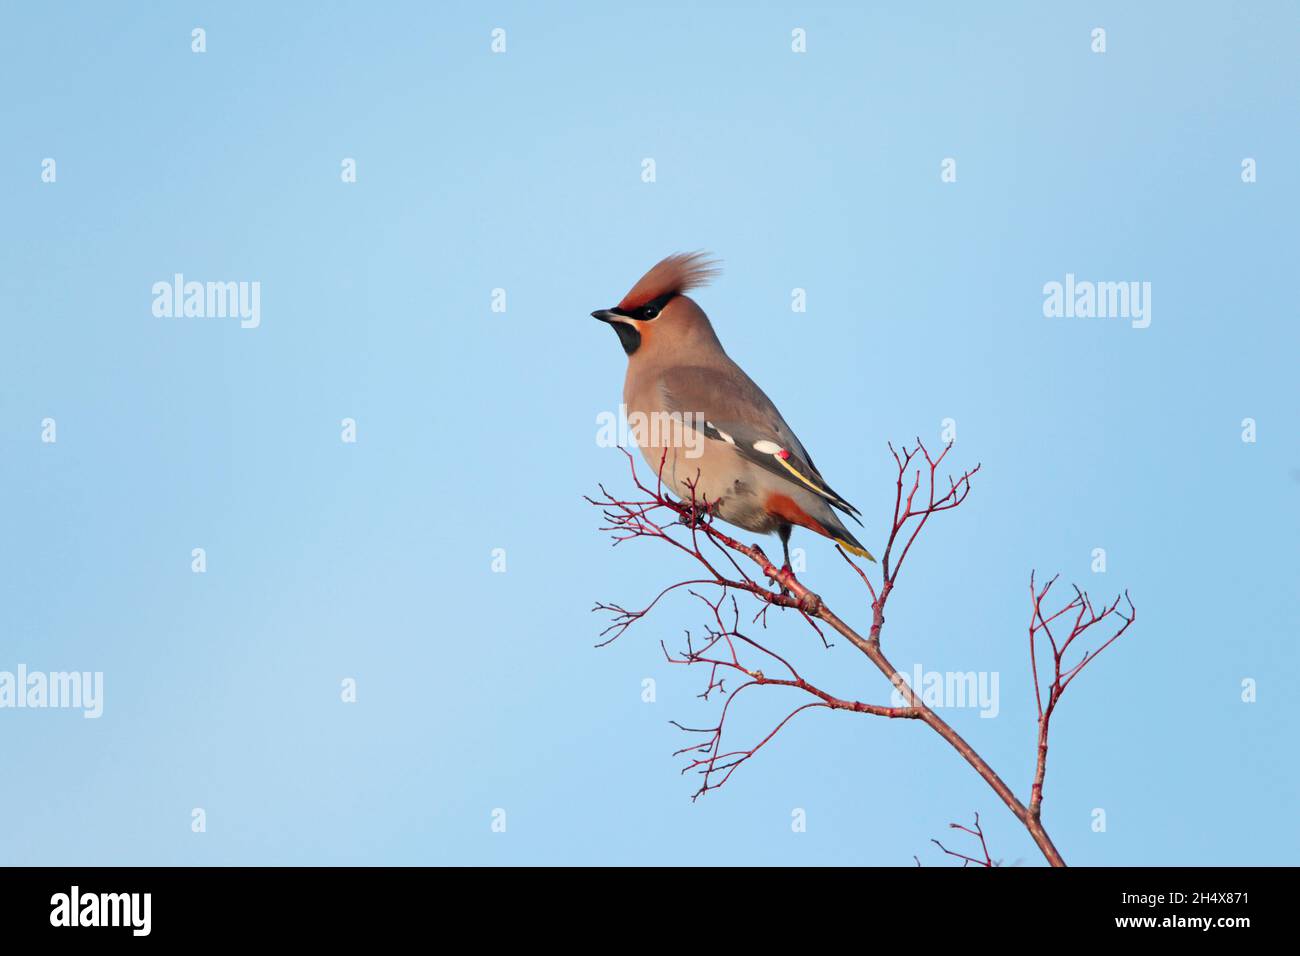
x=860 y=552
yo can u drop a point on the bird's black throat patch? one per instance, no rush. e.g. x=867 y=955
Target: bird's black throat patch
x=628 y=336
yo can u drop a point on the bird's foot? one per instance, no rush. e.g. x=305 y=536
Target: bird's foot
x=696 y=516
x=780 y=579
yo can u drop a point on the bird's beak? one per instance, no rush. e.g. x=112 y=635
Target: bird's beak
x=605 y=315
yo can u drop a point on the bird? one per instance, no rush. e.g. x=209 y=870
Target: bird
x=733 y=453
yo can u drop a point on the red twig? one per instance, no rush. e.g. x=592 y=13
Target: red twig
x=721 y=652
x=1084 y=618
x=978 y=832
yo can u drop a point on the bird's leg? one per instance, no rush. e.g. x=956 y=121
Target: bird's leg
x=784 y=532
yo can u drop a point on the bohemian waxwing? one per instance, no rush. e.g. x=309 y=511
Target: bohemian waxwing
x=698 y=415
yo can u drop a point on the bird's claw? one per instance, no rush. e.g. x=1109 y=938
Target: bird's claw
x=695 y=516
x=780 y=579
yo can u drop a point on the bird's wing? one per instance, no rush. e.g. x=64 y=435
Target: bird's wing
x=736 y=411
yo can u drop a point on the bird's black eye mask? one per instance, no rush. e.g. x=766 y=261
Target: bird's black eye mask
x=628 y=335
x=648 y=311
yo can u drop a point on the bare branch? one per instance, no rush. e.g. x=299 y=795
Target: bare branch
x=978 y=832
x=723 y=650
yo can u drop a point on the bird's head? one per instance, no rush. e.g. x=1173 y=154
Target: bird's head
x=657 y=314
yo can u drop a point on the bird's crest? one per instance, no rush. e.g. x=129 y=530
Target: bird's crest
x=673 y=275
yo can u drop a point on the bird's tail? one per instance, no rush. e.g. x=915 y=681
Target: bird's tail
x=844 y=538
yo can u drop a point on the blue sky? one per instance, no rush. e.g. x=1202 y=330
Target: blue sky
x=476 y=429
